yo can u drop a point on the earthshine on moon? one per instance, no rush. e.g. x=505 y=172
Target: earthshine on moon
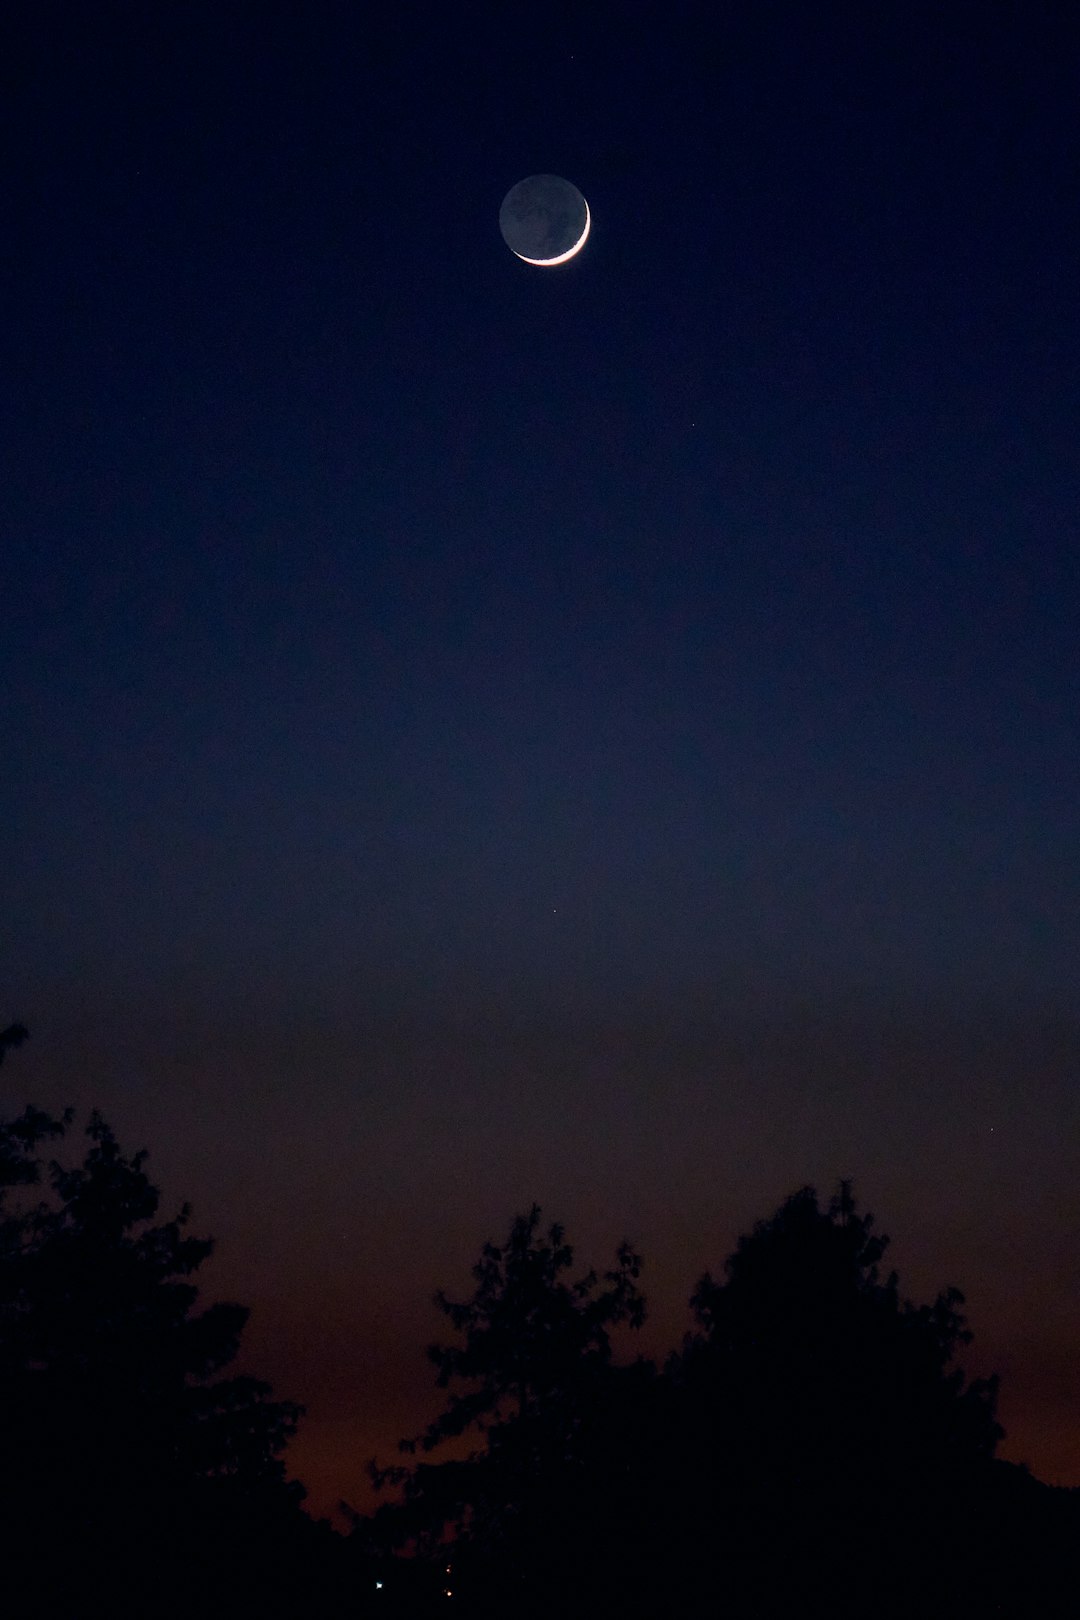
x=544 y=220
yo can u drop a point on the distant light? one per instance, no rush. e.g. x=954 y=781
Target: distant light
x=378 y=1586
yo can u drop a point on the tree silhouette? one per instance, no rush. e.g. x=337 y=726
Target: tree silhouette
x=533 y=1379
x=529 y=1334
x=814 y=1449
x=831 y=1444
x=123 y=1447
x=12 y=1036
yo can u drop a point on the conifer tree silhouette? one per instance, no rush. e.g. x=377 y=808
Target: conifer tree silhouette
x=126 y=1446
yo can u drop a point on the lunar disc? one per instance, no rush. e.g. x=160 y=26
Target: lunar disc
x=544 y=219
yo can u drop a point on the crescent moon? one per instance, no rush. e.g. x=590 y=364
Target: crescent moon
x=561 y=258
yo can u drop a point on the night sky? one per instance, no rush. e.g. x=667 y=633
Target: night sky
x=603 y=735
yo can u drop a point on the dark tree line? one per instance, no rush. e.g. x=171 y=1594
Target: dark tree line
x=813 y=1448
x=138 y=1475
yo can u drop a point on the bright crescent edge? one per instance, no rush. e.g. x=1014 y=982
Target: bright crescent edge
x=561 y=258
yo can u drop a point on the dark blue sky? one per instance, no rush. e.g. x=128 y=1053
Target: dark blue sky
x=608 y=734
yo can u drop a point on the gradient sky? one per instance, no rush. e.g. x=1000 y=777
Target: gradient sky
x=607 y=735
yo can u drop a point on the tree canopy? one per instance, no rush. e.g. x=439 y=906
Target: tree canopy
x=533 y=1382
x=812 y=1396
x=814 y=1447
x=124 y=1441
x=531 y=1336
